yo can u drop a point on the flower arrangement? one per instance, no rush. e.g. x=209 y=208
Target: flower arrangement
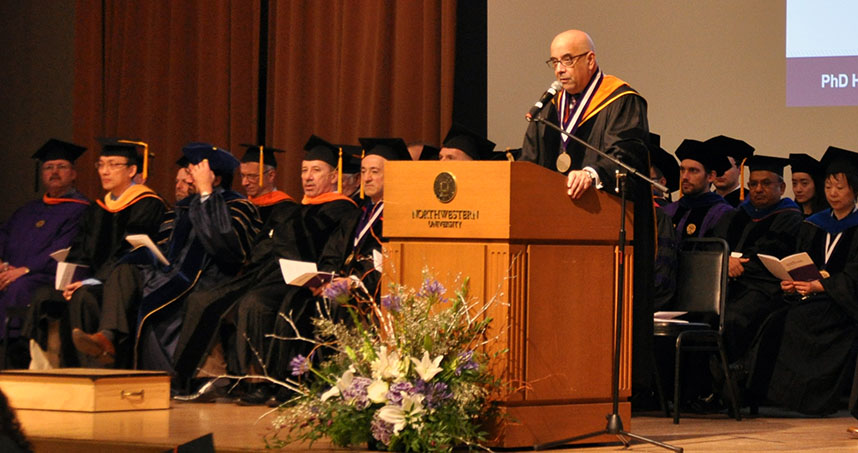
x=407 y=374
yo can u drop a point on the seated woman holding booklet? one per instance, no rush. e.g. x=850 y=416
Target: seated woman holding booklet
x=806 y=353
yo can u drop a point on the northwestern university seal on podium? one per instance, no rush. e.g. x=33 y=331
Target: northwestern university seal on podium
x=445 y=187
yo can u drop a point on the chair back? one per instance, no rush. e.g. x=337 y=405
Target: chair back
x=701 y=278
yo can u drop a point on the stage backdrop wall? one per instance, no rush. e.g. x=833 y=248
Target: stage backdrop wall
x=705 y=68
x=37 y=51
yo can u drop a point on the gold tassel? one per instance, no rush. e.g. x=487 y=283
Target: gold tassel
x=340 y=172
x=145 y=172
x=261 y=165
x=362 y=155
x=742 y=180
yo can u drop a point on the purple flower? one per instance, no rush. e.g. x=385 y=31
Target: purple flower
x=299 y=365
x=356 y=393
x=433 y=394
x=432 y=289
x=466 y=362
x=391 y=302
x=337 y=290
x=394 y=394
x=381 y=430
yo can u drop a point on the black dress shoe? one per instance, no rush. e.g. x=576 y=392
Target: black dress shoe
x=281 y=395
x=710 y=404
x=257 y=395
x=211 y=391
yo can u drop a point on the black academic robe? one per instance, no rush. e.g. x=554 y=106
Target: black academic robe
x=734 y=197
x=205 y=311
x=327 y=232
x=99 y=244
x=814 y=363
x=294 y=232
x=210 y=241
x=266 y=203
x=665 y=262
x=751 y=297
x=619 y=127
x=367 y=240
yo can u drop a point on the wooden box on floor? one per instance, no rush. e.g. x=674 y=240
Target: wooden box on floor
x=86 y=389
x=548 y=263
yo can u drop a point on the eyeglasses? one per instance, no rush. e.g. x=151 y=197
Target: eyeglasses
x=566 y=60
x=57 y=167
x=110 y=165
x=765 y=184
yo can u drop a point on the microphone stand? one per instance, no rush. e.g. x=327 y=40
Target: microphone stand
x=615 y=422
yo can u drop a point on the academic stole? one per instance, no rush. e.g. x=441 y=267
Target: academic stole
x=361 y=234
x=570 y=115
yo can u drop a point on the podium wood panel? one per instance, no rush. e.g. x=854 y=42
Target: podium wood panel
x=495 y=200
x=547 y=264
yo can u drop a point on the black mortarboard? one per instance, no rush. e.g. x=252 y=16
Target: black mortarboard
x=388 y=148
x=119 y=147
x=655 y=139
x=703 y=153
x=55 y=149
x=735 y=148
x=429 y=152
x=252 y=154
x=769 y=163
x=665 y=162
x=128 y=148
x=318 y=148
x=474 y=145
x=351 y=158
x=839 y=160
x=221 y=161
x=802 y=163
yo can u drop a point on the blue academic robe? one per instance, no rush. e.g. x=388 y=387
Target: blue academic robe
x=208 y=244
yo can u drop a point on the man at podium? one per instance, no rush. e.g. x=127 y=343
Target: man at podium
x=608 y=114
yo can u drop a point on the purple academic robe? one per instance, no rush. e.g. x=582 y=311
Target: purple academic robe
x=34 y=231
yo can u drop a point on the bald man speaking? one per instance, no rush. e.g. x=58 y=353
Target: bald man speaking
x=608 y=114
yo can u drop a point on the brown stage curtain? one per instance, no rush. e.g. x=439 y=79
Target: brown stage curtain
x=165 y=72
x=344 y=69
x=170 y=72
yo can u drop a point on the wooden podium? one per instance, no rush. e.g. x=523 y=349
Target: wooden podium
x=549 y=262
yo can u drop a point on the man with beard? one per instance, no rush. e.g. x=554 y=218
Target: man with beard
x=729 y=185
x=699 y=210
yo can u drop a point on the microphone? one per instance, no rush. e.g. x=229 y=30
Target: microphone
x=549 y=93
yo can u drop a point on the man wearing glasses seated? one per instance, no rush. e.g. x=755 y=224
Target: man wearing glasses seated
x=127 y=208
x=40 y=227
x=258 y=176
x=766 y=222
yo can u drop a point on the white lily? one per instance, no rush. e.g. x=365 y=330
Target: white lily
x=398 y=415
x=387 y=365
x=377 y=391
x=427 y=369
x=344 y=382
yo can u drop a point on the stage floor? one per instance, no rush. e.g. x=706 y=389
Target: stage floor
x=240 y=429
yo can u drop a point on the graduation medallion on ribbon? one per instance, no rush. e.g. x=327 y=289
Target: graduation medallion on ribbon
x=570 y=114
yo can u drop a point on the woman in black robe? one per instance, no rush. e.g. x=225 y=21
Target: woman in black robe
x=815 y=360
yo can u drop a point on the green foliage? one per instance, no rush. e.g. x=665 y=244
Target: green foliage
x=409 y=373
